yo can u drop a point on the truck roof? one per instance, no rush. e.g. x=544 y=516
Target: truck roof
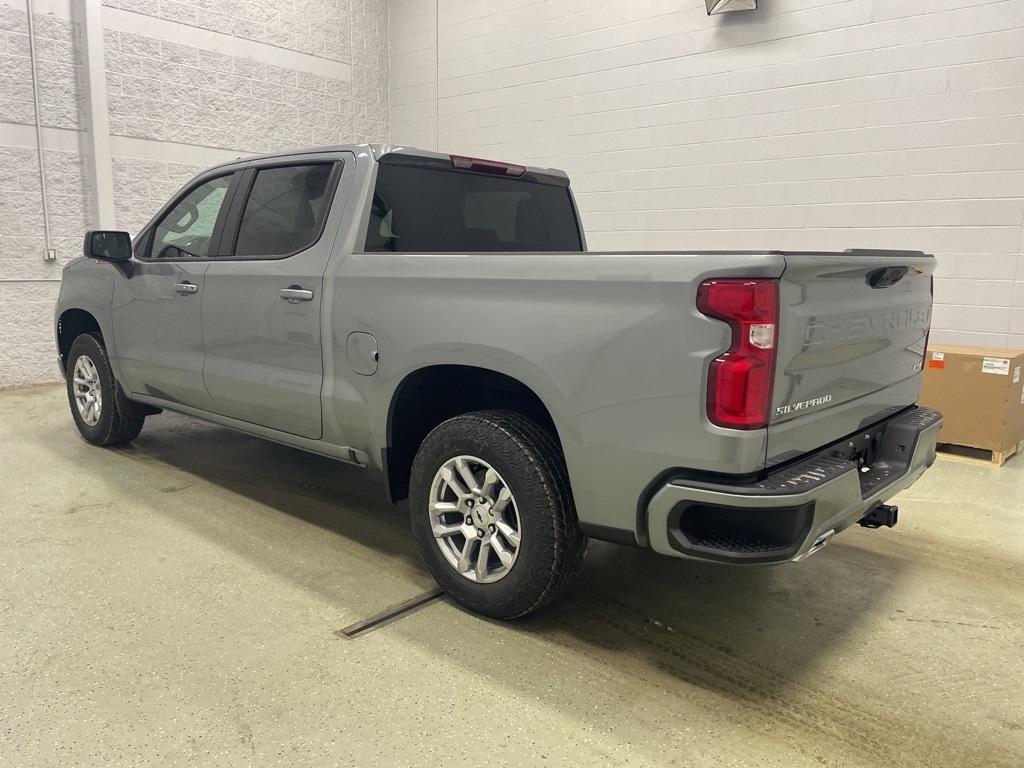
x=378 y=151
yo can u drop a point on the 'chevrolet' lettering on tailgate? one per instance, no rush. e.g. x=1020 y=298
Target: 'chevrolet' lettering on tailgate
x=847 y=328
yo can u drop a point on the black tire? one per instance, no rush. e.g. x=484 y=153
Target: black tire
x=120 y=420
x=530 y=461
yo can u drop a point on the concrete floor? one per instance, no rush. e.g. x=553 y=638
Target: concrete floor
x=176 y=602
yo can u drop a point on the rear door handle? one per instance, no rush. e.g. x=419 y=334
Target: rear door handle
x=293 y=294
x=186 y=288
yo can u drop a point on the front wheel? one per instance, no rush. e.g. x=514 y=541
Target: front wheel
x=103 y=415
x=493 y=515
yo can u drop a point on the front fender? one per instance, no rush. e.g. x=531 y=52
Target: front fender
x=88 y=285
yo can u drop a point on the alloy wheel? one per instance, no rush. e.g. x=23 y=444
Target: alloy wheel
x=88 y=394
x=474 y=519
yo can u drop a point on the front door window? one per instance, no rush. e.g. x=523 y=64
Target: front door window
x=186 y=231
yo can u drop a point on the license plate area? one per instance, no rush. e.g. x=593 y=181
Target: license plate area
x=865 y=450
x=861 y=449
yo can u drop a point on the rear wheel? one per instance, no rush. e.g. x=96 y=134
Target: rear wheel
x=492 y=513
x=102 y=413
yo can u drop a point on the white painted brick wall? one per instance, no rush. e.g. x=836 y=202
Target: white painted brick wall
x=60 y=67
x=317 y=27
x=28 y=288
x=166 y=91
x=189 y=84
x=27 y=352
x=808 y=124
x=143 y=186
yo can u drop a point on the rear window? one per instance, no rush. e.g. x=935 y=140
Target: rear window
x=432 y=211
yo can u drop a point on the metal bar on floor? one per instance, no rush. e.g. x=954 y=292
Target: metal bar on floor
x=389 y=615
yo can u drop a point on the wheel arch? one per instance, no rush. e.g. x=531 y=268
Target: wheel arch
x=71 y=324
x=432 y=393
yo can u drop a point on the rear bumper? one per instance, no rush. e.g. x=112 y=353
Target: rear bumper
x=794 y=511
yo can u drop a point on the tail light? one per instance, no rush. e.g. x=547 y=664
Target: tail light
x=486 y=166
x=740 y=380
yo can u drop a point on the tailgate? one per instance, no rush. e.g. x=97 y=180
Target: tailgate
x=852 y=334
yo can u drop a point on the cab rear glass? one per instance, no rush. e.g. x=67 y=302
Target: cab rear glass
x=434 y=210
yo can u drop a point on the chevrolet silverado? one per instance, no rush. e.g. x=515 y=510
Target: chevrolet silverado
x=438 y=320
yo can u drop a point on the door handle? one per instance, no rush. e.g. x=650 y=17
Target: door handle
x=293 y=294
x=186 y=288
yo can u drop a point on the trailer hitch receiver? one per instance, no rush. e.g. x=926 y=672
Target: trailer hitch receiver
x=883 y=514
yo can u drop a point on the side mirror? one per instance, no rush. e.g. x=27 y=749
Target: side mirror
x=108 y=245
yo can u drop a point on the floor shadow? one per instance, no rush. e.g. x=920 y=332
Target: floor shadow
x=740 y=631
x=760 y=640
x=743 y=632
x=330 y=494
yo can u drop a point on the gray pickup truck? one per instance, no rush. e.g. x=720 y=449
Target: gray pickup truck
x=438 y=320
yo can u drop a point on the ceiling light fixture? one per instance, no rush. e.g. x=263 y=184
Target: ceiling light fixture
x=728 y=6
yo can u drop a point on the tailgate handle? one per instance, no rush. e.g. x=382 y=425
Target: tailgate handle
x=885 y=276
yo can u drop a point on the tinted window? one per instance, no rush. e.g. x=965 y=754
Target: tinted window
x=186 y=230
x=285 y=210
x=433 y=210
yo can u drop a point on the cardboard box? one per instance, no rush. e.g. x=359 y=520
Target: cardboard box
x=980 y=391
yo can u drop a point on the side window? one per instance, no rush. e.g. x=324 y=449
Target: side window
x=187 y=229
x=379 y=234
x=432 y=210
x=285 y=211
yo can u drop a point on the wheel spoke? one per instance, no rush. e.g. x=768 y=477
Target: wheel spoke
x=490 y=481
x=503 y=554
x=504 y=497
x=466 y=557
x=438 y=508
x=511 y=534
x=467 y=475
x=444 y=530
x=454 y=483
x=481 y=560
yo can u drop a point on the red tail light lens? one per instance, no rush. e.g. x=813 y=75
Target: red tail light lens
x=740 y=380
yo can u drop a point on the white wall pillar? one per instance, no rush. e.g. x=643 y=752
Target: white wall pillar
x=99 y=122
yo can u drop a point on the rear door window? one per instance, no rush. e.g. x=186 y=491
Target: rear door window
x=286 y=210
x=433 y=210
